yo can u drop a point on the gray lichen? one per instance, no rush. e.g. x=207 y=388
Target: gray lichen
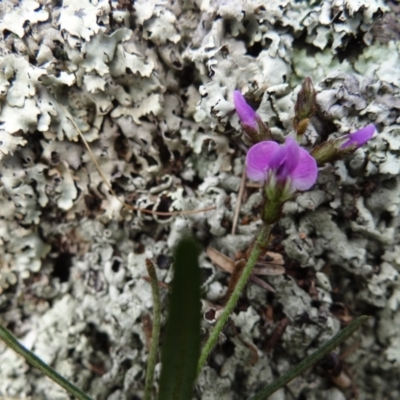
x=150 y=87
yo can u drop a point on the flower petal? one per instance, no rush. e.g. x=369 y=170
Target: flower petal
x=292 y=154
x=257 y=159
x=360 y=137
x=306 y=172
x=246 y=114
x=285 y=160
x=278 y=158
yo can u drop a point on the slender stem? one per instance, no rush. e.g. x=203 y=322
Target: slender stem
x=155 y=335
x=311 y=360
x=13 y=343
x=260 y=244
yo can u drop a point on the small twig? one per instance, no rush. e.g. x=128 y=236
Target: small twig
x=239 y=201
x=260 y=282
x=13 y=343
x=155 y=335
x=235 y=276
x=276 y=335
x=253 y=185
x=100 y=171
x=235 y=268
x=253 y=350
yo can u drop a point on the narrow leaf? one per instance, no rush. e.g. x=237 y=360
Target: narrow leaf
x=34 y=360
x=308 y=362
x=155 y=335
x=181 y=347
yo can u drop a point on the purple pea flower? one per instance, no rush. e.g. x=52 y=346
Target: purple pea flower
x=339 y=148
x=289 y=167
x=283 y=170
x=360 y=137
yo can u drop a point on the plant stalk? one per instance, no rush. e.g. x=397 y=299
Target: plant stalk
x=260 y=244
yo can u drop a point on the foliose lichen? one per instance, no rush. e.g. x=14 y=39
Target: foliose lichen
x=150 y=86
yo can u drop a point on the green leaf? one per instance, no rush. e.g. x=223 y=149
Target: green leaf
x=181 y=347
x=308 y=362
x=7 y=337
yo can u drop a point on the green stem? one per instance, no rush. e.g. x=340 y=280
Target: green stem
x=308 y=362
x=155 y=335
x=260 y=244
x=13 y=343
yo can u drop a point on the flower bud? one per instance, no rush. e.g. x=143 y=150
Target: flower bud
x=255 y=129
x=305 y=106
x=337 y=149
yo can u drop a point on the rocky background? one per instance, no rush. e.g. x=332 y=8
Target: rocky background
x=150 y=84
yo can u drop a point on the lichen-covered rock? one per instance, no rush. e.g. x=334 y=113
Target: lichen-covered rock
x=149 y=84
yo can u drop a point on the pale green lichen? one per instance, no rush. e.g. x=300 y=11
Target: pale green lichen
x=155 y=103
x=13 y=16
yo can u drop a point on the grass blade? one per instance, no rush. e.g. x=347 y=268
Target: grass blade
x=155 y=335
x=181 y=347
x=308 y=362
x=34 y=360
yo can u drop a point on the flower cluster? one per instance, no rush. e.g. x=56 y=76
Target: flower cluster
x=285 y=169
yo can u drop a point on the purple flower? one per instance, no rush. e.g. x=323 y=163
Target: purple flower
x=360 y=137
x=254 y=128
x=289 y=165
x=246 y=114
x=336 y=149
